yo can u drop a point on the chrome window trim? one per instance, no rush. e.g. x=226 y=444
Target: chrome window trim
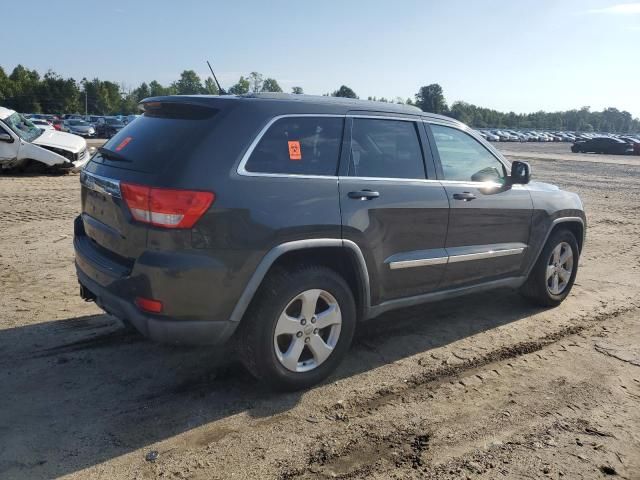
x=384 y=117
x=241 y=170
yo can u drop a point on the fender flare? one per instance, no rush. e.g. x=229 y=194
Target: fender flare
x=276 y=252
x=546 y=237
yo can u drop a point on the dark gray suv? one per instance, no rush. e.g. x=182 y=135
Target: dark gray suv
x=281 y=222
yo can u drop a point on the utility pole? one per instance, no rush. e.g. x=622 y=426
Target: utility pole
x=86 y=103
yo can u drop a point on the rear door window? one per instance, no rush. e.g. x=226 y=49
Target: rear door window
x=299 y=146
x=385 y=149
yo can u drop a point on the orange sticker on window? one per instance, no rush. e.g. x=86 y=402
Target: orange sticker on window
x=294 y=150
x=123 y=144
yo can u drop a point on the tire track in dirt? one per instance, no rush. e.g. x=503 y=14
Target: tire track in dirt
x=364 y=450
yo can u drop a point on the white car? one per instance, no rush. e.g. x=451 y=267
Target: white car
x=22 y=142
x=41 y=123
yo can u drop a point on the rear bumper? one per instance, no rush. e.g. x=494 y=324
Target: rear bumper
x=163 y=330
x=183 y=282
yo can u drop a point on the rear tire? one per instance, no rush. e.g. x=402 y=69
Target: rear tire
x=552 y=276
x=284 y=349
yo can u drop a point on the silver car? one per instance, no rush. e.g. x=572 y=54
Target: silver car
x=80 y=127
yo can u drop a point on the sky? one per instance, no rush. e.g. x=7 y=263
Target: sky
x=522 y=56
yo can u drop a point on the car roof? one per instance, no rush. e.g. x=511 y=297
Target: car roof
x=5 y=112
x=339 y=105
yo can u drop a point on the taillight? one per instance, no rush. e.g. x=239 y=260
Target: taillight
x=164 y=207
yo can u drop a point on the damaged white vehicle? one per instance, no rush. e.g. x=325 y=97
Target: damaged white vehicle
x=24 y=146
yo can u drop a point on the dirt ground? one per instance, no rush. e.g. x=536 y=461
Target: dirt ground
x=481 y=387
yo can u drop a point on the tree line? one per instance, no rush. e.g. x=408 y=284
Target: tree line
x=27 y=91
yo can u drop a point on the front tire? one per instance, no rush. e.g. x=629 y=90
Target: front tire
x=298 y=328
x=552 y=276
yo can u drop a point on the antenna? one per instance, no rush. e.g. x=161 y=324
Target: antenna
x=220 y=89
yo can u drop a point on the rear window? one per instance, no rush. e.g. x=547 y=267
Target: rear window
x=299 y=146
x=156 y=140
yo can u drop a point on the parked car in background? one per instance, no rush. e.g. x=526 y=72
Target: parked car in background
x=59 y=125
x=609 y=145
x=80 y=127
x=41 y=123
x=504 y=137
x=189 y=251
x=130 y=118
x=634 y=142
x=92 y=119
x=107 y=127
x=24 y=145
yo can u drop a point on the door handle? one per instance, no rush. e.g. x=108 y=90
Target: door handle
x=465 y=196
x=363 y=195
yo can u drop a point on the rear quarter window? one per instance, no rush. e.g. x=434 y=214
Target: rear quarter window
x=299 y=146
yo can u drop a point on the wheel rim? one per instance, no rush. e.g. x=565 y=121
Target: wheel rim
x=307 y=330
x=559 y=268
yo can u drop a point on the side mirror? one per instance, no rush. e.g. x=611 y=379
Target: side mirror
x=5 y=137
x=520 y=173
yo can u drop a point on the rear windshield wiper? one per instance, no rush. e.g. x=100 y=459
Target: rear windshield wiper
x=110 y=154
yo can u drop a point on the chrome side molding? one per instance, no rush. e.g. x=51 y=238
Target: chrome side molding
x=453 y=255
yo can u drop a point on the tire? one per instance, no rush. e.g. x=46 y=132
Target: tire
x=539 y=287
x=265 y=354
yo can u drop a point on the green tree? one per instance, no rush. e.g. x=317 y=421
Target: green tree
x=142 y=92
x=5 y=86
x=271 y=85
x=25 y=85
x=189 y=84
x=57 y=94
x=241 y=87
x=345 y=92
x=255 y=82
x=431 y=99
x=157 y=90
x=297 y=90
x=210 y=86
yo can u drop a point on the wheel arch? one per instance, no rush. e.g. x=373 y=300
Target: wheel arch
x=343 y=256
x=575 y=225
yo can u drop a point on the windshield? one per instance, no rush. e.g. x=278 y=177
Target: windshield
x=113 y=121
x=77 y=123
x=22 y=127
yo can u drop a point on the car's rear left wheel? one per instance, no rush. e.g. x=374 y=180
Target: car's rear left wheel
x=299 y=328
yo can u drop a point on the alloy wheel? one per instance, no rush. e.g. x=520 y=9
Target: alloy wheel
x=559 y=268
x=307 y=330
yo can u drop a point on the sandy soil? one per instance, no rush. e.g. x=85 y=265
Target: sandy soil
x=485 y=387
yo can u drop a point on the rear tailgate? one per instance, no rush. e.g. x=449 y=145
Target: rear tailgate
x=162 y=138
x=107 y=221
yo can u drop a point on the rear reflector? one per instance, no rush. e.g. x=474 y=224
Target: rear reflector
x=149 y=305
x=166 y=208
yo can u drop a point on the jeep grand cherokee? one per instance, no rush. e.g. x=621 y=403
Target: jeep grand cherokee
x=283 y=221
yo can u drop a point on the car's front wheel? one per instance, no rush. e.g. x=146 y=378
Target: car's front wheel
x=299 y=328
x=552 y=276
